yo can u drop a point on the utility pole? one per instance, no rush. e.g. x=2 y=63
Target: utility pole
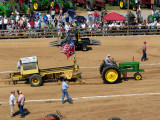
x=128 y=17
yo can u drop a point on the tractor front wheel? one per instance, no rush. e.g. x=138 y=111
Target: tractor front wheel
x=36 y=5
x=52 y=3
x=122 y=4
x=138 y=76
x=35 y=80
x=111 y=74
x=84 y=48
x=134 y=8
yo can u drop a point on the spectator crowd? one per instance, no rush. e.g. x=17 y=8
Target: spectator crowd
x=64 y=21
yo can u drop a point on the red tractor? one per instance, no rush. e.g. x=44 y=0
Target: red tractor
x=90 y=4
x=148 y=3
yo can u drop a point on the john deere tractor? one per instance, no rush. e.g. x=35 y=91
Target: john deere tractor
x=112 y=74
x=132 y=4
x=62 y=5
x=24 y=7
x=5 y=9
x=42 y=4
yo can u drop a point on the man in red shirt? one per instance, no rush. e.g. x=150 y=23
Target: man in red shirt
x=32 y=24
x=144 y=57
x=95 y=16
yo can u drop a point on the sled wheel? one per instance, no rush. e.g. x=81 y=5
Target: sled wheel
x=35 y=80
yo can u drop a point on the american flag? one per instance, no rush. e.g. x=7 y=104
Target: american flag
x=68 y=48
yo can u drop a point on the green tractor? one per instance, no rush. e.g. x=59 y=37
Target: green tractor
x=80 y=43
x=42 y=4
x=132 y=4
x=24 y=7
x=112 y=74
x=5 y=9
x=62 y=5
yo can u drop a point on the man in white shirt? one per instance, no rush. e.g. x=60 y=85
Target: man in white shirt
x=67 y=27
x=90 y=15
x=108 y=61
x=52 y=13
x=1 y=22
x=5 y=20
x=12 y=102
x=37 y=24
x=65 y=92
x=83 y=25
x=49 y=17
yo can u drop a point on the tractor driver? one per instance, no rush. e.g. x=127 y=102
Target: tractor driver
x=108 y=61
x=19 y=65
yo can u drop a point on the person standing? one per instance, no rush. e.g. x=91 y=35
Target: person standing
x=1 y=22
x=5 y=21
x=95 y=16
x=144 y=56
x=67 y=16
x=21 y=100
x=12 y=102
x=52 y=13
x=65 y=92
x=17 y=95
x=90 y=14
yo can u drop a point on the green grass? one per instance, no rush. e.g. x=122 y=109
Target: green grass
x=108 y=7
x=81 y=8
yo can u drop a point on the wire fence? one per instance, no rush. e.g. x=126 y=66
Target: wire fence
x=89 y=32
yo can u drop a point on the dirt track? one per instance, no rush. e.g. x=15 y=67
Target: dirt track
x=145 y=107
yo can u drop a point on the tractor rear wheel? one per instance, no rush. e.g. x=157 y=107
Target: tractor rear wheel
x=101 y=67
x=89 y=5
x=35 y=80
x=111 y=74
x=134 y=8
x=58 y=7
x=36 y=5
x=138 y=76
x=17 y=8
x=122 y=4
